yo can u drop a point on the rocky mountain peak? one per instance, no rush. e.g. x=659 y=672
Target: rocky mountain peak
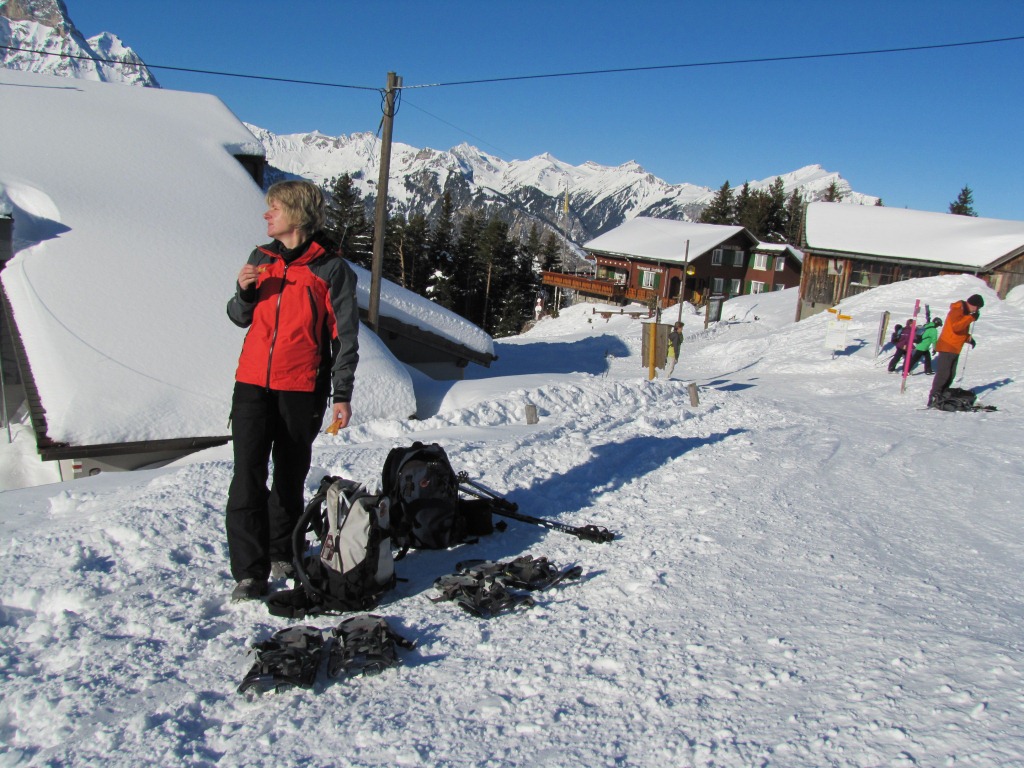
x=49 y=13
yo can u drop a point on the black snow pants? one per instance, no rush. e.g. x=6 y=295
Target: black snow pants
x=919 y=355
x=945 y=372
x=268 y=424
x=895 y=361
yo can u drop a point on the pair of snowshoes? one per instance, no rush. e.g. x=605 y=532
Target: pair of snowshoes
x=291 y=658
x=486 y=588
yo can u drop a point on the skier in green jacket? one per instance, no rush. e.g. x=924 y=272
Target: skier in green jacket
x=923 y=348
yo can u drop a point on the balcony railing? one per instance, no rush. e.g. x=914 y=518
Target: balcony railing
x=608 y=289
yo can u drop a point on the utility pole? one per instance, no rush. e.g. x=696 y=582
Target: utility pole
x=682 y=283
x=381 y=209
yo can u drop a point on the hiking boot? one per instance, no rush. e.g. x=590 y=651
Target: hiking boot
x=249 y=589
x=282 y=569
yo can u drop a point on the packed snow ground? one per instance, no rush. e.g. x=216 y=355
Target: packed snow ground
x=812 y=570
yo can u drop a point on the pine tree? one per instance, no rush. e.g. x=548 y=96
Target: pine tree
x=964 y=203
x=775 y=217
x=441 y=255
x=551 y=252
x=533 y=247
x=415 y=253
x=467 y=271
x=722 y=209
x=515 y=306
x=833 y=194
x=394 y=235
x=747 y=207
x=346 y=221
x=488 y=269
x=795 y=207
x=509 y=281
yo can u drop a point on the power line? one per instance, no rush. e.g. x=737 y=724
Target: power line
x=579 y=73
x=798 y=57
x=457 y=128
x=190 y=69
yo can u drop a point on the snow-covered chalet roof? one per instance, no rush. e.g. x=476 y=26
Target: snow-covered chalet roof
x=132 y=218
x=662 y=239
x=781 y=249
x=921 y=236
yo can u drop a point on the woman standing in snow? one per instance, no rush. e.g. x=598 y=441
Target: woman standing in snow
x=297 y=297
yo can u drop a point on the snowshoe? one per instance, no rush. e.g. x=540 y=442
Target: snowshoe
x=477 y=597
x=364 y=645
x=524 y=572
x=291 y=657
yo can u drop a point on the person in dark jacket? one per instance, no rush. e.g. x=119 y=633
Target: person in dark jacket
x=902 y=341
x=956 y=332
x=297 y=297
x=675 y=341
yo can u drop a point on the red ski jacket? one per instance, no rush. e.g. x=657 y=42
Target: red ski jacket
x=303 y=320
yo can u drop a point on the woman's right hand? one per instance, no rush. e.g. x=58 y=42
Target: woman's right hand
x=248 y=276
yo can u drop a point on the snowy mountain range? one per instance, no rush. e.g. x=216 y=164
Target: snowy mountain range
x=599 y=197
x=576 y=202
x=44 y=25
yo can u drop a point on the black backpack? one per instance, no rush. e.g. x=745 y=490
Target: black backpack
x=956 y=399
x=896 y=331
x=351 y=565
x=425 y=507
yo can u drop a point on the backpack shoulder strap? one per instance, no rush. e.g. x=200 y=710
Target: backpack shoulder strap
x=312 y=519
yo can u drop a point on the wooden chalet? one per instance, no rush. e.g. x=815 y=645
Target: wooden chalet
x=644 y=260
x=849 y=249
x=774 y=267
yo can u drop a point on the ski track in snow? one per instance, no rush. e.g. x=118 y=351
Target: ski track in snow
x=791 y=586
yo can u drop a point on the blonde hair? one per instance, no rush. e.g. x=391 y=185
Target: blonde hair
x=302 y=201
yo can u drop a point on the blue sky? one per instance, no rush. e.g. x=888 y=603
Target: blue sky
x=912 y=127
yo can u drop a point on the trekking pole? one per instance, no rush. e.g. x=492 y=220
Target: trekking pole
x=505 y=508
x=963 y=370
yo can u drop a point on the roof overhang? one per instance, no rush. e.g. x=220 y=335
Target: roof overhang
x=936 y=265
x=183 y=445
x=438 y=346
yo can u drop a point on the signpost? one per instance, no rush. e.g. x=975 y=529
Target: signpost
x=835 y=331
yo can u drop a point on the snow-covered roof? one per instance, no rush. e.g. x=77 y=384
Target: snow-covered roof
x=923 y=236
x=131 y=220
x=781 y=249
x=662 y=239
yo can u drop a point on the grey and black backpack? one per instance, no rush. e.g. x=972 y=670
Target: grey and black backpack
x=350 y=565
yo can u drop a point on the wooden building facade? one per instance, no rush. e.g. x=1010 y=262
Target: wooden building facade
x=774 y=267
x=850 y=249
x=659 y=260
